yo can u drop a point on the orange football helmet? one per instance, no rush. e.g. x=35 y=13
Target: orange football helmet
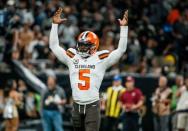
x=87 y=44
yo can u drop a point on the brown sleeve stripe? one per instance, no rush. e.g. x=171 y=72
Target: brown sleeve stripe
x=70 y=54
x=102 y=56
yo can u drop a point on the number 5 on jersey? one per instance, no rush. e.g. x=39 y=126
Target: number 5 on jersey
x=86 y=79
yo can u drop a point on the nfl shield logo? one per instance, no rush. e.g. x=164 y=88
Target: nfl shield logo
x=76 y=61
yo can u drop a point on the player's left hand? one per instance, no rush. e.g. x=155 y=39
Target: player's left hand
x=124 y=21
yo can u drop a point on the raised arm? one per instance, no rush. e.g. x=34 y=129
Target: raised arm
x=122 y=46
x=59 y=52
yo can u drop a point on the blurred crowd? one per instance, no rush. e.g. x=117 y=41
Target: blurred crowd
x=157 y=41
x=123 y=105
x=169 y=104
x=17 y=104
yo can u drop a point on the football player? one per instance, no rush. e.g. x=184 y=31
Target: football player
x=87 y=67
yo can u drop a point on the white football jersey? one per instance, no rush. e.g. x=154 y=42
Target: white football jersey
x=86 y=75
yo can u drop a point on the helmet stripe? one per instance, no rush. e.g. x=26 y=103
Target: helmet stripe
x=84 y=35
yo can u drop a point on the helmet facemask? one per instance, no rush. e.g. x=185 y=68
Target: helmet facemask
x=85 y=49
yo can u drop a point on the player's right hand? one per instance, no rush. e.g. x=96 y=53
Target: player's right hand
x=57 y=17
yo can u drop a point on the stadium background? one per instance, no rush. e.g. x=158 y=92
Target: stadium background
x=157 y=44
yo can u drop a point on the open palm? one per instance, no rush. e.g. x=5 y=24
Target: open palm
x=124 y=20
x=57 y=17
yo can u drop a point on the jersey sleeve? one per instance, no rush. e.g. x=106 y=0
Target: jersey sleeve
x=59 y=52
x=115 y=55
x=103 y=54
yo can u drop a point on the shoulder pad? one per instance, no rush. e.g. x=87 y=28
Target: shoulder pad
x=71 y=52
x=103 y=54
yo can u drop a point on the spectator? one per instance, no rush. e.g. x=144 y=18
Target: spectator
x=26 y=14
x=30 y=105
x=37 y=103
x=22 y=89
x=52 y=100
x=112 y=104
x=69 y=31
x=15 y=54
x=10 y=114
x=161 y=105
x=155 y=67
x=132 y=100
x=36 y=45
x=25 y=37
x=182 y=104
x=177 y=90
x=107 y=40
